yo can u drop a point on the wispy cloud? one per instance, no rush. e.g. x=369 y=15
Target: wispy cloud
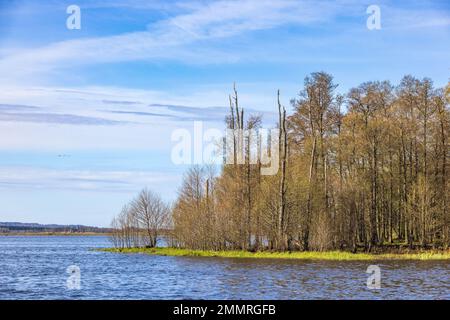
x=82 y=180
x=16 y=107
x=189 y=113
x=56 y=118
x=119 y=102
x=188 y=32
x=64 y=119
x=418 y=16
x=15 y=113
x=172 y=37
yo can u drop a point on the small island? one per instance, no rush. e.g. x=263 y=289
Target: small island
x=367 y=183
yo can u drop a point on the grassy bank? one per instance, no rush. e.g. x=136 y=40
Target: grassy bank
x=311 y=255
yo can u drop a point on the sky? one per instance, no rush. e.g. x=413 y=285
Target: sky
x=87 y=115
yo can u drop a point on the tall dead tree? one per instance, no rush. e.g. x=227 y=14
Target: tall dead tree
x=282 y=142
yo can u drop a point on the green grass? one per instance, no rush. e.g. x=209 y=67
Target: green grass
x=310 y=255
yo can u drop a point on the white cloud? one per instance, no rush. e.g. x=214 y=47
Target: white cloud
x=170 y=38
x=188 y=33
x=112 y=118
x=24 y=178
x=421 y=20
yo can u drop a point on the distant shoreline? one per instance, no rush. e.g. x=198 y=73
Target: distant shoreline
x=54 y=234
x=38 y=229
x=297 y=255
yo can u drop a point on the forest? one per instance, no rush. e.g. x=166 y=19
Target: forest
x=357 y=171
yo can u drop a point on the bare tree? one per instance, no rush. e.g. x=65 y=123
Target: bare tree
x=152 y=215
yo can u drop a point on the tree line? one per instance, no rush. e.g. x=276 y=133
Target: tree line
x=360 y=170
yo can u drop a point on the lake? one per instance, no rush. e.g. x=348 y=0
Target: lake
x=35 y=267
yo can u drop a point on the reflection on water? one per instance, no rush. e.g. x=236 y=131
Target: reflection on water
x=35 y=268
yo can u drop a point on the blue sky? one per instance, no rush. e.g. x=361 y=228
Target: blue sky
x=86 y=115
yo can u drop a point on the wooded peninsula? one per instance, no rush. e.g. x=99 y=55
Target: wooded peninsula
x=362 y=172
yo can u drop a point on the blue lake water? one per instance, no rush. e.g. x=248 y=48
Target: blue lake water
x=36 y=268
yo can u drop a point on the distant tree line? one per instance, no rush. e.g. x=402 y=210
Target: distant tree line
x=18 y=227
x=360 y=170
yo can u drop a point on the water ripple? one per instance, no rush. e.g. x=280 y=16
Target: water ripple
x=35 y=268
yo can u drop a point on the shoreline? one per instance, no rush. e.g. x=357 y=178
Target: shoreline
x=297 y=255
x=56 y=234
